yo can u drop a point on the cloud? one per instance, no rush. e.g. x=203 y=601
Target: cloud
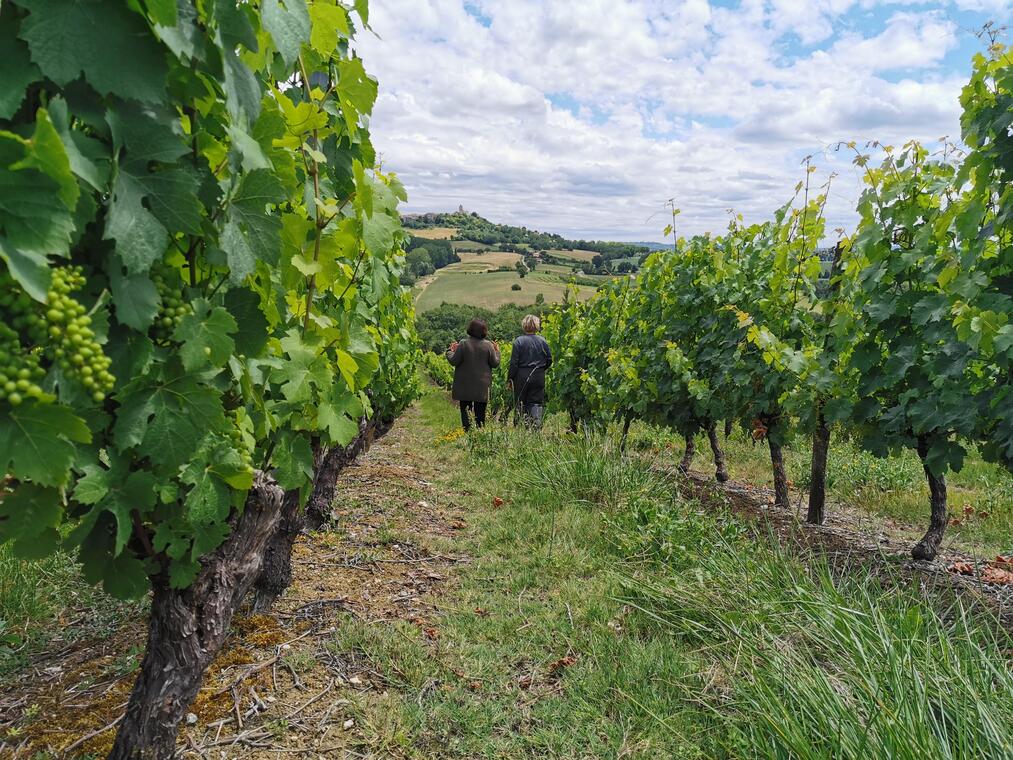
x=584 y=116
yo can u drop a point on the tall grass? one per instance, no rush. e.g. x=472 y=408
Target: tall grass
x=593 y=470
x=811 y=665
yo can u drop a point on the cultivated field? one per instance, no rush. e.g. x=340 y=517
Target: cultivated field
x=491 y=290
x=574 y=254
x=483 y=262
x=434 y=233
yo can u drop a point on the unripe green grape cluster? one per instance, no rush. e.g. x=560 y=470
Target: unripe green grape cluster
x=170 y=290
x=61 y=329
x=239 y=443
x=20 y=371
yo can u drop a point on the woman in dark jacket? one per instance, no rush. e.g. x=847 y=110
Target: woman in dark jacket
x=474 y=359
x=529 y=359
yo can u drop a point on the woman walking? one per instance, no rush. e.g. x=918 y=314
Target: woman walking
x=474 y=359
x=529 y=359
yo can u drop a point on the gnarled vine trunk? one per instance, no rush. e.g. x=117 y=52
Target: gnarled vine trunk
x=781 y=495
x=721 y=471
x=627 y=421
x=276 y=573
x=928 y=547
x=728 y=427
x=818 y=471
x=188 y=626
x=687 y=457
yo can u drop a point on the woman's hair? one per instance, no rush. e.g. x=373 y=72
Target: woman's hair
x=477 y=328
x=531 y=323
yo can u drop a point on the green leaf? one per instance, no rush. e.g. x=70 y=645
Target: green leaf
x=168 y=416
x=304 y=371
x=252 y=232
x=18 y=69
x=330 y=23
x=242 y=90
x=31 y=212
x=348 y=367
x=293 y=461
x=135 y=298
x=341 y=428
x=124 y=577
x=204 y=335
x=289 y=24
x=208 y=501
x=47 y=154
x=37 y=442
x=29 y=269
x=141 y=239
x=162 y=12
x=183 y=37
x=30 y=516
x=251 y=333
x=63 y=37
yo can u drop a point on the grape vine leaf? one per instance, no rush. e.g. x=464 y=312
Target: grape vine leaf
x=168 y=416
x=204 y=335
x=30 y=516
x=135 y=298
x=289 y=25
x=251 y=333
x=30 y=269
x=293 y=461
x=31 y=212
x=19 y=71
x=63 y=34
x=37 y=442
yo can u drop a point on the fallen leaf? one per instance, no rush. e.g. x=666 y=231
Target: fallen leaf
x=524 y=682
x=497 y=501
x=962 y=568
x=560 y=664
x=481 y=613
x=475 y=685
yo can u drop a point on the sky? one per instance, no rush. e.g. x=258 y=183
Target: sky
x=583 y=117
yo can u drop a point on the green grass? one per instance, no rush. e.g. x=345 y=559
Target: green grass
x=492 y=289
x=891 y=487
x=691 y=634
x=39 y=598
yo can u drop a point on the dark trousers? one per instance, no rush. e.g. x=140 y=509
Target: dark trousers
x=529 y=395
x=479 y=407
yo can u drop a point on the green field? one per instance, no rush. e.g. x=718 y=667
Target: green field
x=492 y=289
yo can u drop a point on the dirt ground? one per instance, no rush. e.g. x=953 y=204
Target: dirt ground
x=284 y=684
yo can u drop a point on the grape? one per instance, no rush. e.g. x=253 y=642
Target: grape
x=239 y=441
x=169 y=284
x=59 y=329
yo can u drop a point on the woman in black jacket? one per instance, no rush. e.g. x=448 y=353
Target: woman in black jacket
x=529 y=359
x=474 y=359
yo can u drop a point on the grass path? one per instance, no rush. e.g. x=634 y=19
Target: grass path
x=514 y=595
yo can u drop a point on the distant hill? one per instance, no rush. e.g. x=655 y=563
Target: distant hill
x=653 y=246
x=472 y=226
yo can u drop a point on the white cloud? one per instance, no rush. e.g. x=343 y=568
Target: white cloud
x=583 y=116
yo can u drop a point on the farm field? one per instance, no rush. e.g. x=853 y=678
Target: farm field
x=576 y=255
x=491 y=289
x=483 y=262
x=434 y=233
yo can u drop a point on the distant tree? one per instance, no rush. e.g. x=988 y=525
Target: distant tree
x=516 y=286
x=521 y=269
x=407 y=279
x=419 y=263
x=598 y=262
x=625 y=267
x=539 y=300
